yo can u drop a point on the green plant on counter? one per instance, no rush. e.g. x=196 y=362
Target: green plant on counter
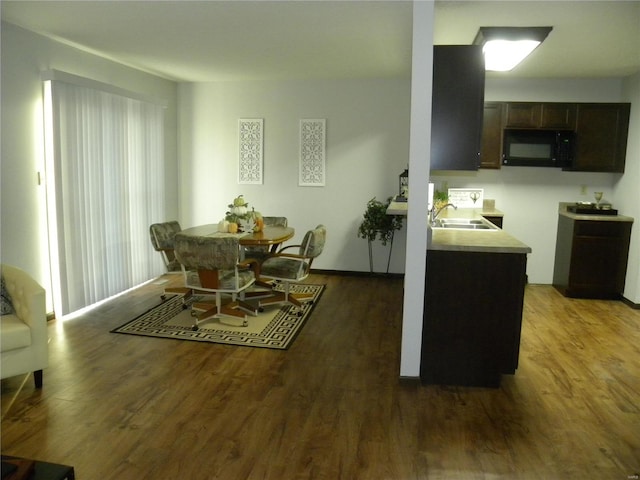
x=376 y=224
x=440 y=199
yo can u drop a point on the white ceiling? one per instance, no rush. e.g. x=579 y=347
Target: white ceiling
x=211 y=40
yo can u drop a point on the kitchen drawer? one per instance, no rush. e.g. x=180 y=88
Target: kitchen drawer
x=594 y=228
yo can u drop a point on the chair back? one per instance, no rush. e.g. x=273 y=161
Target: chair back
x=211 y=263
x=162 y=235
x=221 y=252
x=260 y=252
x=313 y=242
x=162 y=238
x=275 y=221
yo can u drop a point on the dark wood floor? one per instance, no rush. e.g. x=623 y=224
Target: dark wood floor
x=332 y=407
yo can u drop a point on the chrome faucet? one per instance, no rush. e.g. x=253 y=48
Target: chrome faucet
x=434 y=214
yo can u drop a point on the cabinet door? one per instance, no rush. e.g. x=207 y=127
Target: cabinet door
x=591 y=257
x=594 y=267
x=491 y=147
x=458 y=98
x=558 y=116
x=601 y=137
x=523 y=115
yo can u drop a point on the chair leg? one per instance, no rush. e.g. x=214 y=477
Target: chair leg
x=247 y=307
x=183 y=292
x=296 y=299
x=276 y=297
x=227 y=313
x=37 y=377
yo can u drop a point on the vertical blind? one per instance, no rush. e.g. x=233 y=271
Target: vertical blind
x=105 y=186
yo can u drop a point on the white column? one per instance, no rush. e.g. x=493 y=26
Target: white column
x=419 y=161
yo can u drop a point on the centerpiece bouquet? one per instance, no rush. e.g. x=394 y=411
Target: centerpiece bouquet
x=240 y=219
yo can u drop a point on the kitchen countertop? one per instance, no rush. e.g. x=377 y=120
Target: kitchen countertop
x=492 y=241
x=562 y=210
x=401 y=208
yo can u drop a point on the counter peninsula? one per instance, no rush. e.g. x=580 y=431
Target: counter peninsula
x=473 y=301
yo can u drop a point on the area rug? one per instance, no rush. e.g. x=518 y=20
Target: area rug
x=276 y=327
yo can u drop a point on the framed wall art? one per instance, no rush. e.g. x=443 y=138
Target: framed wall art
x=312 y=168
x=251 y=143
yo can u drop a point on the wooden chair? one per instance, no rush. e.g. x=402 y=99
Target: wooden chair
x=212 y=265
x=291 y=268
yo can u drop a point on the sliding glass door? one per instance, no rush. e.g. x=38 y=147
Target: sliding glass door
x=105 y=186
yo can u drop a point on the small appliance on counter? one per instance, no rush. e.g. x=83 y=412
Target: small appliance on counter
x=589 y=208
x=403 y=182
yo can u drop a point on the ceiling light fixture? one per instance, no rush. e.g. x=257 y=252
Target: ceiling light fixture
x=506 y=47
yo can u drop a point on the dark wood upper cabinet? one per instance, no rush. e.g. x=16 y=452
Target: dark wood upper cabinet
x=458 y=97
x=560 y=116
x=491 y=147
x=601 y=137
x=601 y=131
x=522 y=115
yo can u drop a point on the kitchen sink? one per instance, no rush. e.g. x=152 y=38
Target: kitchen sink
x=465 y=224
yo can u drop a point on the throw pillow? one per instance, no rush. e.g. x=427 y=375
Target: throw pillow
x=6 y=307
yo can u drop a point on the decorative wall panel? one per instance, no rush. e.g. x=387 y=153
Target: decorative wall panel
x=251 y=141
x=312 y=172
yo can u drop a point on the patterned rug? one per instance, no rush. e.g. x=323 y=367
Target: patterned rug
x=275 y=328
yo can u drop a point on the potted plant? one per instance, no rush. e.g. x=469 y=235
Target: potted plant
x=240 y=216
x=376 y=224
x=440 y=199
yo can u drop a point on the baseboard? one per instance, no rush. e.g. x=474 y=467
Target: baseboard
x=629 y=303
x=349 y=273
x=410 y=381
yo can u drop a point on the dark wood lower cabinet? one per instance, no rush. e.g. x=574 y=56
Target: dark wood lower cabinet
x=591 y=257
x=473 y=317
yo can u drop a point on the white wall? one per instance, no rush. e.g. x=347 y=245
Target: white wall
x=529 y=196
x=626 y=191
x=24 y=56
x=367 y=125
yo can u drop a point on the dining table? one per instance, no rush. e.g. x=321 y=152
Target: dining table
x=271 y=236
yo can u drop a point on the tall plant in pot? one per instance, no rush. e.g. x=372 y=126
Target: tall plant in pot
x=377 y=225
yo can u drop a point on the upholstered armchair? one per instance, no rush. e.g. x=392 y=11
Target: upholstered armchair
x=23 y=331
x=293 y=267
x=211 y=264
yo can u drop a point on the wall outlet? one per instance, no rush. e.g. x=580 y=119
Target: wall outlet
x=583 y=189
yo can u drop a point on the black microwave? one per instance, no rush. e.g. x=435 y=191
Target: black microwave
x=538 y=148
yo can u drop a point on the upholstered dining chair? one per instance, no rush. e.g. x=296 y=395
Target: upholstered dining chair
x=212 y=265
x=162 y=238
x=162 y=235
x=260 y=252
x=291 y=268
